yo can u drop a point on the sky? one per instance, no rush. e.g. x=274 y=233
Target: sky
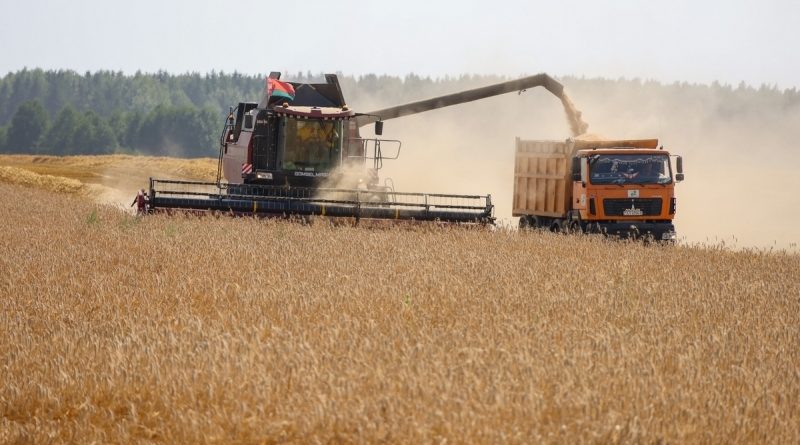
x=733 y=41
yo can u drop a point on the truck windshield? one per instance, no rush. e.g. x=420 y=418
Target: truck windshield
x=311 y=144
x=629 y=169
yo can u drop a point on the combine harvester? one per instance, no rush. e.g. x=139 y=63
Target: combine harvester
x=298 y=152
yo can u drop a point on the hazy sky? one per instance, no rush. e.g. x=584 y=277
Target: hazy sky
x=730 y=41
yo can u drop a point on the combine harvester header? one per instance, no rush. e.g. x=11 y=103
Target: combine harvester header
x=266 y=200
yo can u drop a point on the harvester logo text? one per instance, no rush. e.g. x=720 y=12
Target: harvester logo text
x=313 y=174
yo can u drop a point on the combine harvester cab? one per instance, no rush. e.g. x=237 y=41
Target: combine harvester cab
x=299 y=152
x=624 y=188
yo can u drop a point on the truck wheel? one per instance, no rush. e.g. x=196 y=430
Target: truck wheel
x=524 y=223
x=572 y=226
x=556 y=226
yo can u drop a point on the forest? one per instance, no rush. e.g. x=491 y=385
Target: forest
x=62 y=112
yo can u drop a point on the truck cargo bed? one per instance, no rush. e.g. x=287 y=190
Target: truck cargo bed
x=542 y=178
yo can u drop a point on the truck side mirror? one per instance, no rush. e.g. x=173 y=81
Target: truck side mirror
x=679 y=168
x=576 y=169
x=248 y=121
x=378 y=128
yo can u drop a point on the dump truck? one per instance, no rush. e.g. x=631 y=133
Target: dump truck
x=299 y=151
x=624 y=188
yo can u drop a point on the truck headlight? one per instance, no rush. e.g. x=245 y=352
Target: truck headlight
x=261 y=175
x=669 y=236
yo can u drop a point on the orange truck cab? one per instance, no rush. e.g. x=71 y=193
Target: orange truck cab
x=616 y=187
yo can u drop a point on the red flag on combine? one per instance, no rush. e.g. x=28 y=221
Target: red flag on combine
x=276 y=88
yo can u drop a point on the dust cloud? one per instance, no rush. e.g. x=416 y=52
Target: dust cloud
x=342 y=178
x=738 y=144
x=118 y=181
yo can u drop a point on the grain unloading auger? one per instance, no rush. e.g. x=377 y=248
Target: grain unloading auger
x=299 y=152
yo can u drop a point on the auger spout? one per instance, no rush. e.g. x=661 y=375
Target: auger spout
x=577 y=125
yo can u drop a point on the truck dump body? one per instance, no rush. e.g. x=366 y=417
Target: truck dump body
x=541 y=178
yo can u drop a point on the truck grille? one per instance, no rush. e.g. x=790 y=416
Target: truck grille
x=632 y=207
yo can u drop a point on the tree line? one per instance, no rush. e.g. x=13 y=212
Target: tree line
x=63 y=112
x=164 y=130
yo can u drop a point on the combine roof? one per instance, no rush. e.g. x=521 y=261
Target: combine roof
x=325 y=113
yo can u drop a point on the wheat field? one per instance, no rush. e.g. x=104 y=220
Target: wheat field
x=107 y=179
x=118 y=329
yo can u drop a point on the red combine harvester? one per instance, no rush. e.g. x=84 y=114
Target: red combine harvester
x=299 y=152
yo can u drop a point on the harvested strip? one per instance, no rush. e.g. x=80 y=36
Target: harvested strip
x=19 y=176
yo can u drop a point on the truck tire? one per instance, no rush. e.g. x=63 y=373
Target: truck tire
x=529 y=222
x=572 y=226
x=524 y=223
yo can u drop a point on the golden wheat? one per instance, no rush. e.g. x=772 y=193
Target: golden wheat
x=118 y=329
x=19 y=176
x=93 y=168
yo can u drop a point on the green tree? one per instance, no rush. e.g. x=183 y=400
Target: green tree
x=92 y=136
x=60 y=138
x=133 y=128
x=3 y=139
x=118 y=122
x=28 y=126
x=103 y=140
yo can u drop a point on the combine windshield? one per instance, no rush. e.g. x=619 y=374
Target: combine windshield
x=630 y=169
x=311 y=144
